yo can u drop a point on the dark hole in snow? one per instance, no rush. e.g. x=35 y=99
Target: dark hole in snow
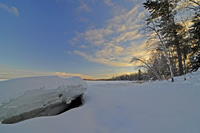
x=60 y=95
x=74 y=104
x=50 y=110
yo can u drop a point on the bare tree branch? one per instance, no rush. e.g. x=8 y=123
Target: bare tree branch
x=154 y=72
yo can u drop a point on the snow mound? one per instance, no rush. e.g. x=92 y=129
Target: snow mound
x=189 y=77
x=40 y=94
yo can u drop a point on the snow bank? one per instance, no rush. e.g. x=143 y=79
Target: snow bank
x=23 y=95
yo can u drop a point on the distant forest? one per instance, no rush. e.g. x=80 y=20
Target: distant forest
x=133 y=76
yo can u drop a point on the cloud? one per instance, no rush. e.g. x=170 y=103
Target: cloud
x=116 y=42
x=101 y=74
x=128 y=36
x=13 y=10
x=3 y=79
x=83 y=46
x=67 y=75
x=77 y=38
x=100 y=57
x=10 y=73
x=116 y=9
x=96 y=36
x=83 y=8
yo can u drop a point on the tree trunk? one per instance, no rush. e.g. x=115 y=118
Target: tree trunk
x=178 y=50
x=165 y=50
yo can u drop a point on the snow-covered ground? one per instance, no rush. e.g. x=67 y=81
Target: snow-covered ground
x=126 y=107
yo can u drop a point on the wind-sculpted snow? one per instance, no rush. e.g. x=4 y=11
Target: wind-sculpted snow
x=19 y=96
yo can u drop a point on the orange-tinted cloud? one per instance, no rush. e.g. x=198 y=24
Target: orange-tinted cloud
x=67 y=75
x=115 y=43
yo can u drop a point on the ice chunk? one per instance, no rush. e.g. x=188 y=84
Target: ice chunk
x=19 y=96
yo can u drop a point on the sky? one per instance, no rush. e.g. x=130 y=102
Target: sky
x=86 y=38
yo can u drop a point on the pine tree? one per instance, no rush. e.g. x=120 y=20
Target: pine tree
x=161 y=21
x=195 y=39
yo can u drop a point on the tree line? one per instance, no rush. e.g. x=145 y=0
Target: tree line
x=144 y=76
x=173 y=34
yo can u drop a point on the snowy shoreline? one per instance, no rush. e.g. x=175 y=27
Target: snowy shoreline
x=116 y=107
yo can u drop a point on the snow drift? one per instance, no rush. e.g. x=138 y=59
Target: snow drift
x=26 y=98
